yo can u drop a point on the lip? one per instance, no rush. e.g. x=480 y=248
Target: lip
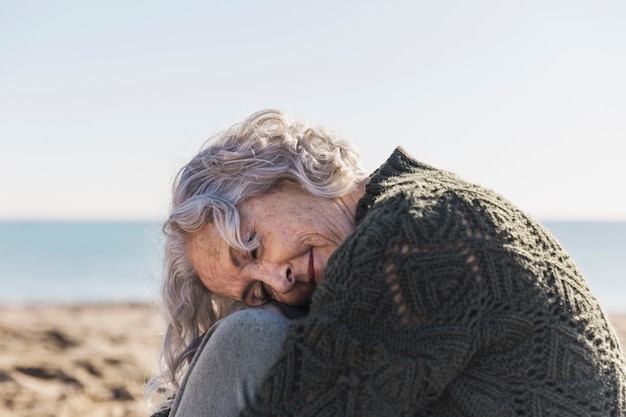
x=311 y=268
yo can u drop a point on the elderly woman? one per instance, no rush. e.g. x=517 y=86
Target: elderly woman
x=427 y=295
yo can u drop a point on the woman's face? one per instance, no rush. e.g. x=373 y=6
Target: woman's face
x=297 y=233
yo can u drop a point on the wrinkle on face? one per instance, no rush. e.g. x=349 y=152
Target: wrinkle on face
x=292 y=228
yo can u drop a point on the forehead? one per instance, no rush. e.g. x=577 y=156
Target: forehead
x=281 y=201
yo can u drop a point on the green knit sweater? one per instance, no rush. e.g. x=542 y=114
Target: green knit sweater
x=446 y=301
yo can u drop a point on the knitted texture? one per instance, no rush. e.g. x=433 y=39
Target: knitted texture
x=446 y=301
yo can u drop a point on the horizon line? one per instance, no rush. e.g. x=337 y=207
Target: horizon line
x=159 y=221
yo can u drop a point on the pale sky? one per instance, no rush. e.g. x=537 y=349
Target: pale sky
x=101 y=102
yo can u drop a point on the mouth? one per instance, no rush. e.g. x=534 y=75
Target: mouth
x=311 y=268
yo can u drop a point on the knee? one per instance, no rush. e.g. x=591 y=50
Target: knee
x=228 y=370
x=250 y=331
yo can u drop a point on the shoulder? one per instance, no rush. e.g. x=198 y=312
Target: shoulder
x=404 y=186
x=413 y=254
x=429 y=199
x=433 y=212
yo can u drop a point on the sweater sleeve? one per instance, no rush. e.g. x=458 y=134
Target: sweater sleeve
x=394 y=322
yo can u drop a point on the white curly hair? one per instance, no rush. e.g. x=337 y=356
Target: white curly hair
x=248 y=160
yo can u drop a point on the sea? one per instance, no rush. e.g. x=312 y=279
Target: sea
x=104 y=262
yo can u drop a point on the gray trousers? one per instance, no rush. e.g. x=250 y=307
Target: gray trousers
x=230 y=364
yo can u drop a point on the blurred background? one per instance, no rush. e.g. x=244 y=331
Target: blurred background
x=102 y=102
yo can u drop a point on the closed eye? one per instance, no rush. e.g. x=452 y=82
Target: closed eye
x=254 y=253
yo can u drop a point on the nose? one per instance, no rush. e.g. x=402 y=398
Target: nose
x=279 y=277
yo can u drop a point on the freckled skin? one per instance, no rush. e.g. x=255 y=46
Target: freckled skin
x=297 y=233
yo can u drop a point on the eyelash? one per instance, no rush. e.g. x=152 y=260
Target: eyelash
x=262 y=291
x=254 y=252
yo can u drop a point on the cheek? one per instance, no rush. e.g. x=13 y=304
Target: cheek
x=282 y=238
x=227 y=285
x=324 y=254
x=209 y=285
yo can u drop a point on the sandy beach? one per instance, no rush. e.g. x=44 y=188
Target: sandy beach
x=67 y=361
x=88 y=361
